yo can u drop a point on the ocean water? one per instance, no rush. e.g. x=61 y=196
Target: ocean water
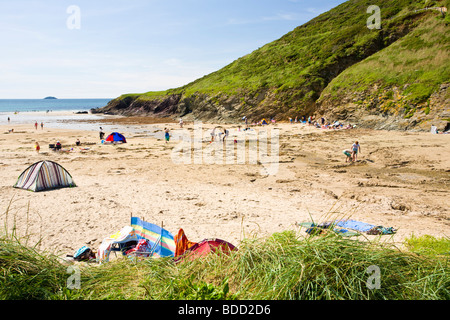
x=56 y=113
x=62 y=114
x=27 y=105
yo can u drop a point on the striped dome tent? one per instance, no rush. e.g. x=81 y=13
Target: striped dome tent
x=44 y=175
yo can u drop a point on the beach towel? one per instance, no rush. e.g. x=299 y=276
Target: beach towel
x=142 y=249
x=355 y=225
x=365 y=227
x=182 y=243
x=126 y=234
x=313 y=228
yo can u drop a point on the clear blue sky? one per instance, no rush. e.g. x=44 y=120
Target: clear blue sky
x=133 y=46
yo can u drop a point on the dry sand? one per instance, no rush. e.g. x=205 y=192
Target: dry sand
x=402 y=180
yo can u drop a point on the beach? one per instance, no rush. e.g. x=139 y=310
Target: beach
x=401 y=180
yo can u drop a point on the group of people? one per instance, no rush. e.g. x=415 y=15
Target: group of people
x=36 y=125
x=352 y=154
x=225 y=134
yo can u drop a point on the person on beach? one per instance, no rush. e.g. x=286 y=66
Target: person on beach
x=348 y=153
x=42 y=126
x=78 y=142
x=37 y=147
x=9 y=119
x=225 y=134
x=102 y=134
x=213 y=134
x=166 y=134
x=35 y=125
x=355 y=149
x=181 y=123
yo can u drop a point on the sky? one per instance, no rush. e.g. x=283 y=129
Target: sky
x=102 y=49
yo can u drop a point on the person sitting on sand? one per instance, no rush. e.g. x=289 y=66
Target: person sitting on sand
x=58 y=146
x=78 y=142
x=355 y=149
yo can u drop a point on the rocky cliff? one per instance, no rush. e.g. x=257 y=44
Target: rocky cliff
x=395 y=77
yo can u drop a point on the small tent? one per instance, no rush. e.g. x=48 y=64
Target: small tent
x=264 y=121
x=116 y=137
x=44 y=175
x=194 y=250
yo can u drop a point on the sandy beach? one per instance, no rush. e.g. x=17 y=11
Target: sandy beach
x=401 y=180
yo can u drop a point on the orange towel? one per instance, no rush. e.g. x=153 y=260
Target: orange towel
x=182 y=243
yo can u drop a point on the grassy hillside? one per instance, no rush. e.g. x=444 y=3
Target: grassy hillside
x=401 y=79
x=287 y=77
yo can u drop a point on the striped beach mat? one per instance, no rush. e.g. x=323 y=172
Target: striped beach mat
x=161 y=241
x=44 y=175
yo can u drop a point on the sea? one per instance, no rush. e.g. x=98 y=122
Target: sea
x=54 y=113
x=65 y=114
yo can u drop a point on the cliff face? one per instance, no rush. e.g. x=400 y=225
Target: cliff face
x=395 y=77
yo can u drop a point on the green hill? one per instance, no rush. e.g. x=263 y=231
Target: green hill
x=334 y=65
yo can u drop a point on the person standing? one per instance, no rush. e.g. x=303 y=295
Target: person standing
x=225 y=134
x=42 y=126
x=35 y=125
x=37 y=147
x=213 y=134
x=181 y=123
x=166 y=134
x=356 y=148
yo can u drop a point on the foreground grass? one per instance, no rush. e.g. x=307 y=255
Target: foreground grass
x=282 y=267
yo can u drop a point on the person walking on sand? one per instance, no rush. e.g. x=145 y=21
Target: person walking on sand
x=42 y=126
x=37 y=147
x=166 y=134
x=355 y=149
x=35 y=125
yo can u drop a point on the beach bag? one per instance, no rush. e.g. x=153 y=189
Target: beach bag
x=84 y=254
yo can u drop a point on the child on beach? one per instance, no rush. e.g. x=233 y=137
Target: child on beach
x=167 y=134
x=355 y=149
x=348 y=153
x=37 y=147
